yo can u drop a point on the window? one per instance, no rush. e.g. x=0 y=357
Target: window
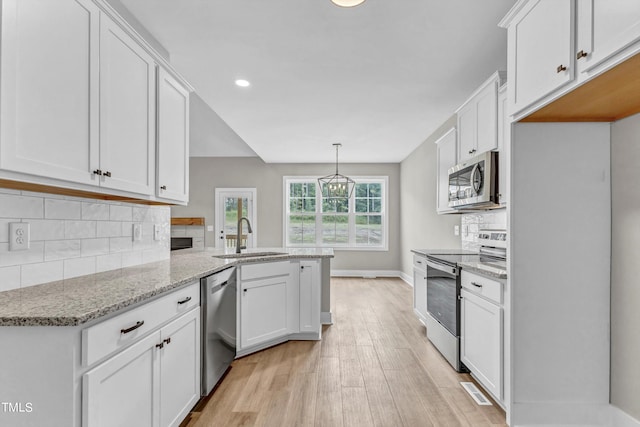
x=358 y=222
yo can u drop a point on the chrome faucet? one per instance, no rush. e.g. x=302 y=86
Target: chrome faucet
x=239 y=234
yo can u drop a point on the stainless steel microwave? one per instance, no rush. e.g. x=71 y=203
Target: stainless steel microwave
x=473 y=184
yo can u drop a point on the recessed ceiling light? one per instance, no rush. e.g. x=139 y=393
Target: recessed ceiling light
x=242 y=83
x=347 y=3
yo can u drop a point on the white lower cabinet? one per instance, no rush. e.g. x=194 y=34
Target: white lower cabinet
x=481 y=334
x=310 y=296
x=154 y=382
x=420 y=287
x=278 y=301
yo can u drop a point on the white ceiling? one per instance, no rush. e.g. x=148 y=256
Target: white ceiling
x=379 y=78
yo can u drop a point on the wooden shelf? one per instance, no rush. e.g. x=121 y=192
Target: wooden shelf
x=187 y=221
x=609 y=97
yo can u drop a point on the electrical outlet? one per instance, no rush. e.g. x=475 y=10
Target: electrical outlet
x=456 y=230
x=18 y=236
x=156 y=232
x=137 y=232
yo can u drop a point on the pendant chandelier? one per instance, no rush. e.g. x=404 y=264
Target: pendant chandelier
x=336 y=185
x=347 y=3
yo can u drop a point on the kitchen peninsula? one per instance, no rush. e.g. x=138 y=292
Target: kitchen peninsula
x=113 y=334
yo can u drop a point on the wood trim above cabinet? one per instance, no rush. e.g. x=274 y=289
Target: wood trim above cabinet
x=609 y=97
x=187 y=221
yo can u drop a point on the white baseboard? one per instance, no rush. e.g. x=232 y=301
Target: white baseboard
x=365 y=273
x=619 y=418
x=326 y=318
x=565 y=415
x=408 y=279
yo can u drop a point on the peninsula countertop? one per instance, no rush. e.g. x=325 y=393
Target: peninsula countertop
x=81 y=299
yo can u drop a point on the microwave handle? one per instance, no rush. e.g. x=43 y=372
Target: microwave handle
x=477 y=185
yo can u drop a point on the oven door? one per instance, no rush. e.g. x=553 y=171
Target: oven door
x=442 y=295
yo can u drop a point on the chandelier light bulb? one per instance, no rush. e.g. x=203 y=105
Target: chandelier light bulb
x=347 y=3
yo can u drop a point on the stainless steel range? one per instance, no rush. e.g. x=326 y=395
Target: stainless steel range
x=443 y=292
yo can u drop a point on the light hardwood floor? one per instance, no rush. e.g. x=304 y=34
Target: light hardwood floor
x=373 y=367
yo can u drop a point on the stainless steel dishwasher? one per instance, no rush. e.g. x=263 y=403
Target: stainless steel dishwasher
x=218 y=299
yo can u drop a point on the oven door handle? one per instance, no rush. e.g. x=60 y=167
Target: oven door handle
x=442 y=267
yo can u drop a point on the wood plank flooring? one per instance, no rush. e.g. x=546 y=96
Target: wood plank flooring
x=373 y=367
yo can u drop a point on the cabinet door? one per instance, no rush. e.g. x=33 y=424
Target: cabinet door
x=420 y=293
x=467 y=131
x=49 y=85
x=127 y=111
x=487 y=119
x=173 y=139
x=481 y=341
x=309 y=296
x=544 y=56
x=124 y=391
x=504 y=148
x=446 y=158
x=179 y=368
x=263 y=310
x=605 y=27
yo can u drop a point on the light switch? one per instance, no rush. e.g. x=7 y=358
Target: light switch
x=18 y=236
x=456 y=230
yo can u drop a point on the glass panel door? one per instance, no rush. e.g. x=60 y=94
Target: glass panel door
x=233 y=204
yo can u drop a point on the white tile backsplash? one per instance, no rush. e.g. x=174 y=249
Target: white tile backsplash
x=62 y=209
x=73 y=236
x=474 y=222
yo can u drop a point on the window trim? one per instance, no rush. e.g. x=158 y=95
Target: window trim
x=286 y=180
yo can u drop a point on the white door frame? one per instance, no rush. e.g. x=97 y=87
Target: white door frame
x=252 y=212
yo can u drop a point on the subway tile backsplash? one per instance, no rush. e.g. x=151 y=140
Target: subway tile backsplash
x=71 y=237
x=472 y=223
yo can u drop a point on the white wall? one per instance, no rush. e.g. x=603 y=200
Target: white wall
x=420 y=226
x=207 y=173
x=625 y=254
x=73 y=236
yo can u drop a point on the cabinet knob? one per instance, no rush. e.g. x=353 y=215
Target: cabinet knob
x=561 y=68
x=167 y=341
x=163 y=187
x=97 y=172
x=108 y=174
x=160 y=345
x=302 y=267
x=581 y=54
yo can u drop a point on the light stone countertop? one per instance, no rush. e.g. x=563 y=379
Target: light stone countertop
x=484 y=269
x=79 y=300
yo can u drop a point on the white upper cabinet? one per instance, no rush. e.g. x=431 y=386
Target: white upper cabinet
x=446 y=158
x=173 y=139
x=127 y=111
x=49 y=103
x=477 y=120
x=78 y=106
x=605 y=27
x=540 y=51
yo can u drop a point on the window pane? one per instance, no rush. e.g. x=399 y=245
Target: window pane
x=309 y=205
x=310 y=189
x=302 y=229
x=369 y=230
x=375 y=205
x=335 y=204
x=361 y=190
x=375 y=190
x=335 y=229
x=295 y=189
x=361 y=205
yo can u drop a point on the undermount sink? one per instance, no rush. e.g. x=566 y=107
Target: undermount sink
x=250 y=255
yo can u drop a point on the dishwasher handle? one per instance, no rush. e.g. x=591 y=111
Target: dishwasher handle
x=216 y=288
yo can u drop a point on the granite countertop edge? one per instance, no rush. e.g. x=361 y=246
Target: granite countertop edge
x=183 y=268
x=474 y=268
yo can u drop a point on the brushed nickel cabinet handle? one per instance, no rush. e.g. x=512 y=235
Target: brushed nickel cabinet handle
x=132 y=328
x=561 y=68
x=581 y=54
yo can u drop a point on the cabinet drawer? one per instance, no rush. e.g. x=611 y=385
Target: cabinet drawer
x=263 y=270
x=124 y=329
x=481 y=285
x=419 y=262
